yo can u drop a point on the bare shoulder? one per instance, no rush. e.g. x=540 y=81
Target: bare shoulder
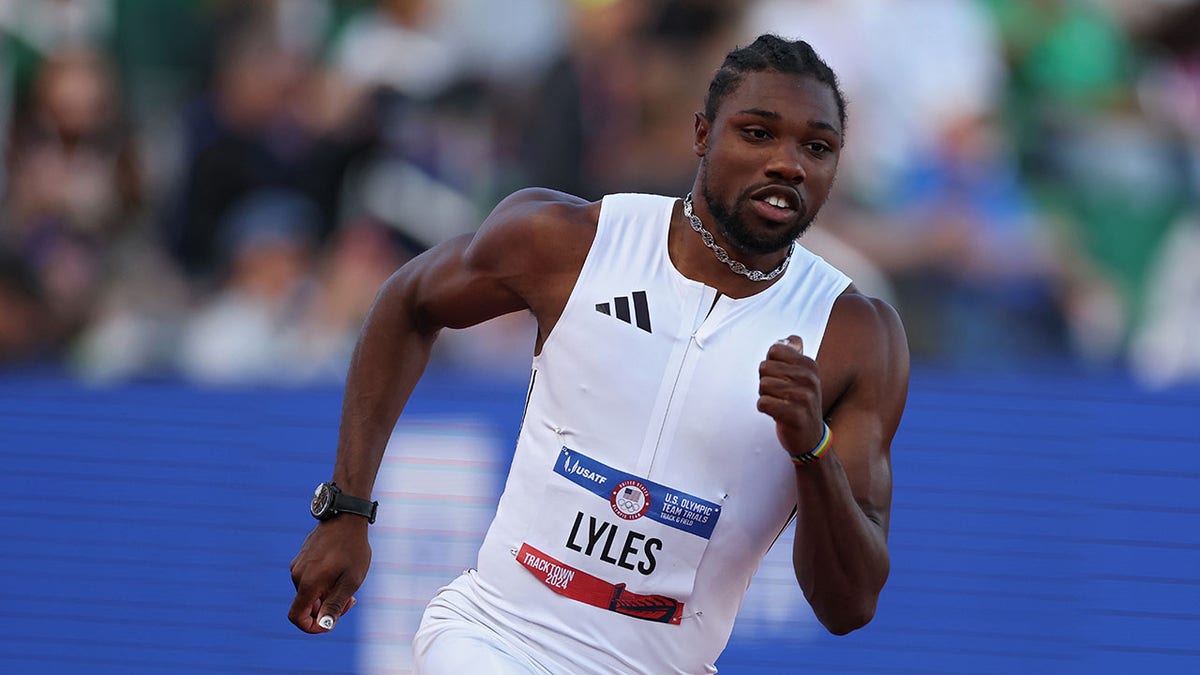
x=866 y=348
x=536 y=229
x=534 y=244
x=542 y=203
x=857 y=316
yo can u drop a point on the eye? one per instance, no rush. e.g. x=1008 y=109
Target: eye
x=756 y=133
x=819 y=148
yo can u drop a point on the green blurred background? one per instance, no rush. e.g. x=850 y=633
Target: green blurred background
x=214 y=189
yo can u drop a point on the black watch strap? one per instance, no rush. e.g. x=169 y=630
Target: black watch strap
x=344 y=503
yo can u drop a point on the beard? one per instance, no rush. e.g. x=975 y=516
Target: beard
x=734 y=231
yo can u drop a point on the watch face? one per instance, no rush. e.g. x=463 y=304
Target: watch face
x=322 y=501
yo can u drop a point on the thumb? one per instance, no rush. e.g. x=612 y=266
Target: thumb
x=794 y=342
x=338 y=602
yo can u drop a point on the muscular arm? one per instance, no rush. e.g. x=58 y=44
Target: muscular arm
x=517 y=260
x=840 y=553
x=524 y=256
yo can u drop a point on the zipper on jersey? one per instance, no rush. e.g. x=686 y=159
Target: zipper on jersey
x=701 y=315
x=662 y=426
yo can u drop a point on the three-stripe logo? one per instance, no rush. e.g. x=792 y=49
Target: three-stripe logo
x=620 y=306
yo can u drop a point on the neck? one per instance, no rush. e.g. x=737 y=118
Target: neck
x=736 y=263
x=696 y=261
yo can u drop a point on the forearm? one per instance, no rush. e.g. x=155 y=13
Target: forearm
x=389 y=359
x=840 y=555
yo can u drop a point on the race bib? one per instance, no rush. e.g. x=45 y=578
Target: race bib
x=618 y=541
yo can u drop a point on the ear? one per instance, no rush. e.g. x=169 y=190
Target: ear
x=700 y=143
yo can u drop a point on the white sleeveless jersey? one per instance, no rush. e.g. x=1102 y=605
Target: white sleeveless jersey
x=646 y=487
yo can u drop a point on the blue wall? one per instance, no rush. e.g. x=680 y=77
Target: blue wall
x=1041 y=524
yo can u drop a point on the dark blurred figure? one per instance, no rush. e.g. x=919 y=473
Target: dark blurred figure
x=435 y=152
x=272 y=119
x=22 y=311
x=286 y=311
x=250 y=329
x=684 y=41
x=74 y=184
x=349 y=272
x=585 y=111
x=238 y=139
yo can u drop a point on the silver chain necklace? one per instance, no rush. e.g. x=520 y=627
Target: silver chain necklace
x=723 y=256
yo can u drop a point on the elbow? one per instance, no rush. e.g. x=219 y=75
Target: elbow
x=845 y=602
x=850 y=621
x=846 y=610
x=846 y=615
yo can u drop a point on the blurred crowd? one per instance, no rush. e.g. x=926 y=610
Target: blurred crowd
x=215 y=189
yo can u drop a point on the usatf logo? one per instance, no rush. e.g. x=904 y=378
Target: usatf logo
x=620 y=304
x=630 y=499
x=578 y=469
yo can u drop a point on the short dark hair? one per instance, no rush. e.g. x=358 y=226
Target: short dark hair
x=771 y=53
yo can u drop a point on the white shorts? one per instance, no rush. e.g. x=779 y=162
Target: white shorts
x=448 y=642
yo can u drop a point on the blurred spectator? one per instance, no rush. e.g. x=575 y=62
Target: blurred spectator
x=253 y=328
x=1112 y=178
x=1164 y=349
x=137 y=318
x=22 y=311
x=361 y=256
x=685 y=41
x=968 y=255
x=1020 y=176
x=933 y=197
x=587 y=107
x=74 y=183
x=288 y=311
x=532 y=32
x=434 y=155
x=239 y=139
x=72 y=158
x=391 y=45
x=271 y=120
x=908 y=70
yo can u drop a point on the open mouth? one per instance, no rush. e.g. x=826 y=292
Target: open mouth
x=776 y=203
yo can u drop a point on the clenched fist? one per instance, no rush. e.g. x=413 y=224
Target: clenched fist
x=331 y=565
x=789 y=390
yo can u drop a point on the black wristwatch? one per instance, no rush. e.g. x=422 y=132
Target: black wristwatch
x=328 y=500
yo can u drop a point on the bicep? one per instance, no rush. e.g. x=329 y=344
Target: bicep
x=864 y=420
x=445 y=288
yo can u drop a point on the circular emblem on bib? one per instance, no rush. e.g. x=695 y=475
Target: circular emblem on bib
x=630 y=499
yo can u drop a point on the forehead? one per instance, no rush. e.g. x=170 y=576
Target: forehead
x=789 y=95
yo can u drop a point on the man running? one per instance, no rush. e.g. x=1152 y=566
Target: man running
x=699 y=379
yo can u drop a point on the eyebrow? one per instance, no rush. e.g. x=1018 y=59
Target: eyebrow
x=759 y=112
x=818 y=124
x=772 y=115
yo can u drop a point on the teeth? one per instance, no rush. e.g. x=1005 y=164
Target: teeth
x=777 y=201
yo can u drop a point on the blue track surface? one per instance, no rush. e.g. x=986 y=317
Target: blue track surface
x=1041 y=524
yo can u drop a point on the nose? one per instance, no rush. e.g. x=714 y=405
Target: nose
x=786 y=164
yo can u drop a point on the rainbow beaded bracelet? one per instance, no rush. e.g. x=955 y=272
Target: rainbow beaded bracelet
x=817 y=452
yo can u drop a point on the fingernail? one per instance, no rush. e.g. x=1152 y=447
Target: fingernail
x=326 y=622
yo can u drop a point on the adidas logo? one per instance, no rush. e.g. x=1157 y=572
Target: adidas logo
x=620 y=305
